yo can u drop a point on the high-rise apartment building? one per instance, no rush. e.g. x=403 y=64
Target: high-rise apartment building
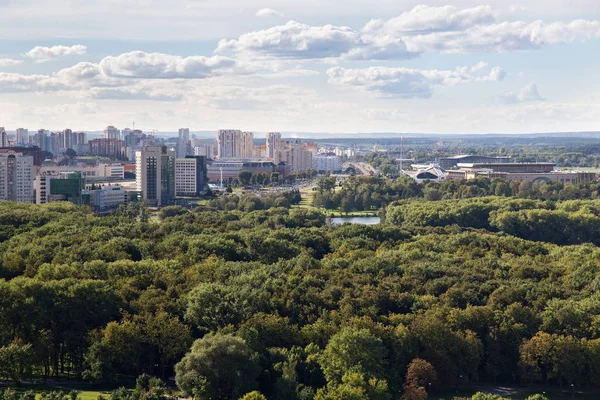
x=22 y=137
x=190 y=176
x=296 y=154
x=16 y=177
x=206 y=150
x=155 y=175
x=183 y=142
x=112 y=133
x=273 y=143
x=3 y=137
x=234 y=144
x=112 y=148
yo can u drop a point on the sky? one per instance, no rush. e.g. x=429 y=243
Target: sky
x=336 y=66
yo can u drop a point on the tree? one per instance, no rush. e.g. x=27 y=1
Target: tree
x=218 y=367
x=255 y=395
x=16 y=361
x=244 y=177
x=71 y=153
x=353 y=349
x=171 y=211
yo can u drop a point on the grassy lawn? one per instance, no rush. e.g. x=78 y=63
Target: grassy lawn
x=84 y=394
x=518 y=394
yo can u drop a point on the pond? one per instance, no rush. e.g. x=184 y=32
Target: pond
x=356 y=220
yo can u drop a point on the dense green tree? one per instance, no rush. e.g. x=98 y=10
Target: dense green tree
x=218 y=367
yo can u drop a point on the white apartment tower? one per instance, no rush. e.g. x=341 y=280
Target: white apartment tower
x=16 y=177
x=273 y=143
x=234 y=144
x=155 y=175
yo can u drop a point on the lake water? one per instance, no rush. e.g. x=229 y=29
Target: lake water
x=357 y=220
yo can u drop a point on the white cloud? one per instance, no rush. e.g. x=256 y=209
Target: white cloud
x=422 y=29
x=405 y=82
x=8 y=62
x=138 y=64
x=47 y=53
x=296 y=40
x=479 y=66
x=528 y=93
x=497 y=74
x=268 y=12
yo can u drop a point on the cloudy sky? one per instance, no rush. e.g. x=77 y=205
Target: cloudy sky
x=311 y=65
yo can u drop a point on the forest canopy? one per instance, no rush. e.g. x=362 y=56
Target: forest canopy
x=277 y=303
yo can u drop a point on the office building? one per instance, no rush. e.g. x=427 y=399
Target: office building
x=22 y=137
x=111 y=148
x=234 y=144
x=273 y=144
x=190 y=176
x=90 y=172
x=16 y=177
x=66 y=186
x=105 y=199
x=112 y=133
x=155 y=175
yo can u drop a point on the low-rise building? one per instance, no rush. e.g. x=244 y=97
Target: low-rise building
x=231 y=168
x=105 y=199
x=90 y=172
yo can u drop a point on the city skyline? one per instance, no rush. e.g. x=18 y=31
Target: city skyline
x=447 y=67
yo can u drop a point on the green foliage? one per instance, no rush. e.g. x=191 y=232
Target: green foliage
x=255 y=395
x=218 y=367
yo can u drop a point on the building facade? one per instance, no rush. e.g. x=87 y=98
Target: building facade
x=183 y=141
x=155 y=175
x=234 y=144
x=190 y=176
x=327 y=163
x=111 y=148
x=273 y=144
x=112 y=133
x=90 y=172
x=22 y=137
x=16 y=177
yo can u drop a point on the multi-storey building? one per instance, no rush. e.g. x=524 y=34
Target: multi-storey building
x=22 y=136
x=65 y=186
x=155 y=175
x=190 y=176
x=106 y=199
x=112 y=133
x=112 y=148
x=205 y=150
x=273 y=144
x=16 y=177
x=295 y=155
x=234 y=144
x=3 y=138
x=90 y=172
x=183 y=142
x=323 y=163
